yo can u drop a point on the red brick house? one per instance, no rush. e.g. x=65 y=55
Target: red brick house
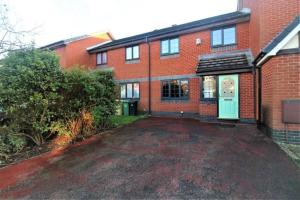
x=275 y=42
x=202 y=68
x=72 y=51
x=241 y=66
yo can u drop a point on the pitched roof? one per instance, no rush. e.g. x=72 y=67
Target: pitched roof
x=214 y=63
x=280 y=36
x=62 y=43
x=175 y=29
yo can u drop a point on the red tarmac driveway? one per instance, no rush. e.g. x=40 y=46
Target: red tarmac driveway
x=160 y=158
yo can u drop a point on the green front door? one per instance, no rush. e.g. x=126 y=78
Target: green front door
x=229 y=96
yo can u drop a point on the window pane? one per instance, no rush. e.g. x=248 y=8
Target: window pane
x=136 y=52
x=128 y=53
x=129 y=90
x=217 y=37
x=209 y=87
x=99 y=59
x=165 y=47
x=184 y=87
x=123 y=91
x=104 y=57
x=165 y=89
x=136 y=90
x=229 y=36
x=174 y=89
x=174 y=45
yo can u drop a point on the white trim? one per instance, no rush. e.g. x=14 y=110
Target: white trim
x=281 y=44
x=98 y=45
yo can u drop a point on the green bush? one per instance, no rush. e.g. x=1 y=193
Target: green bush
x=85 y=90
x=30 y=81
x=9 y=142
x=38 y=99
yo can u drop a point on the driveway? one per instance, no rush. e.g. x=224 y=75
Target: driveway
x=160 y=158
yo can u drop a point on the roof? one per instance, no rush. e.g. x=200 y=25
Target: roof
x=175 y=30
x=62 y=43
x=215 y=63
x=280 y=36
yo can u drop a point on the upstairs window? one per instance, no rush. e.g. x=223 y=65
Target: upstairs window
x=130 y=91
x=133 y=53
x=175 y=89
x=223 y=37
x=209 y=88
x=101 y=58
x=169 y=46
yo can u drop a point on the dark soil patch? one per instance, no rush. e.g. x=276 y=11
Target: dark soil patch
x=25 y=154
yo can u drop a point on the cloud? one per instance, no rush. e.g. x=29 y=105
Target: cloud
x=60 y=19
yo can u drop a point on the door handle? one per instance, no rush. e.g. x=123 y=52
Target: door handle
x=227 y=99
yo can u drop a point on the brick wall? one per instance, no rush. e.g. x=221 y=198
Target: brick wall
x=275 y=15
x=187 y=106
x=184 y=65
x=280 y=81
x=268 y=18
x=75 y=53
x=246 y=96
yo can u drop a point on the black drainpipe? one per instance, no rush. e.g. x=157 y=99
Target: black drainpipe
x=254 y=89
x=259 y=95
x=149 y=76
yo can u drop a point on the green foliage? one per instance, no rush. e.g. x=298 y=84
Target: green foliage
x=39 y=99
x=29 y=84
x=88 y=89
x=10 y=142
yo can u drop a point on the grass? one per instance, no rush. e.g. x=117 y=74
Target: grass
x=293 y=151
x=121 y=120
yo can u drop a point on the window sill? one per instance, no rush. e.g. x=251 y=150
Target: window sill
x=175 y=100
x=224 y=47
x=167 y=56
x=130 y=99
x=132 y=61
x=102 y=65
x=208 y=101
x=104 y=68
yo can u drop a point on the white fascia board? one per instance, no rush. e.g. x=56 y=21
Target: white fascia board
x=279 y=46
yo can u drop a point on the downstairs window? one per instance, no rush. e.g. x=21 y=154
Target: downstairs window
x=209 y=90
x=175 y=89
x=130 y=91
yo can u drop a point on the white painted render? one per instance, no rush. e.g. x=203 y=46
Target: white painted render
x=279 y=46
x=293 y=43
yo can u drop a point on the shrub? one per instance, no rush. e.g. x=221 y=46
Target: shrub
x=9 y=142
x=38 y=100
x=89 y=99
x=29 y=92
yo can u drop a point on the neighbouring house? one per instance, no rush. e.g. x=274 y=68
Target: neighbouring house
x=275 y=43
x=72 y=51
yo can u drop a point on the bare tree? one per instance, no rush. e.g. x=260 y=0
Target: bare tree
x=11 y=38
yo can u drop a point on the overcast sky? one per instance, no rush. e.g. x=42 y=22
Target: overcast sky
x=60 y=19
